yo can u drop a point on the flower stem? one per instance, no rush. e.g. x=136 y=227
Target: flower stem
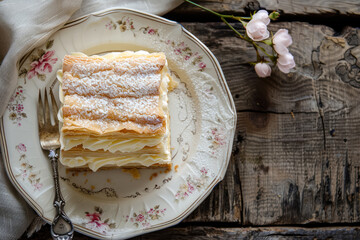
x=262 y=49
x=218 y=14
x=232 y=28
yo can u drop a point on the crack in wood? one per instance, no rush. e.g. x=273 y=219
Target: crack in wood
x=273 y=112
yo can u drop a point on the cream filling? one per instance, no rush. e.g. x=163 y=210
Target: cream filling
x=110 y=144
x=94 y=163
x=122 y=145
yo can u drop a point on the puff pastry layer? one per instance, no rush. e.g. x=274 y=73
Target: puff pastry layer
x=115 y=110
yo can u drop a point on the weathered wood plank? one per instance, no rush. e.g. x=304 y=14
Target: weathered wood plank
x=204 y=233
x=294 y=7
x=297 y=146
x=224 y=202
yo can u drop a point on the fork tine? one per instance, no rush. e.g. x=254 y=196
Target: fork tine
x=47 y=110
x=40 y=112
x=55 y=108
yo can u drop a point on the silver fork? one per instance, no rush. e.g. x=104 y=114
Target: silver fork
x=61 y=227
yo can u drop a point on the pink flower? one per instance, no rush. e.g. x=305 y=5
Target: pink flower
x=99 y=227
x=43 y=65
x=177 y=51
x=38 y=186
x=21 y=148
x=282 y=40
x=109 y=25
x=19 y=108
x=257 y=30
x=190 y=188
x=94 y=217
x=151 y=31
x=263 y=16
x=202 y=65
x=140 y=218
x=203 y=171
x=285 y=62
x=263 y=70
x=187 y=57
x=146 y=224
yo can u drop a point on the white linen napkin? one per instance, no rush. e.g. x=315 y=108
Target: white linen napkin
x=25 y=25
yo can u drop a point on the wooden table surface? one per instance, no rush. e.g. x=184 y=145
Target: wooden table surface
x=295 y=166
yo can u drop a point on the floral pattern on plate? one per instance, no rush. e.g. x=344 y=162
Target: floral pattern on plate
x=27 y=170
x=217 y=139
x=185 y=51
x=42 y=61
x=192 y=184
x=16 y=106
x=94 y=222
x=181 y=48
x=145 y=217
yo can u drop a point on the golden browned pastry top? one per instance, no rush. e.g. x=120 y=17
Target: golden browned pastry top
x=117 y=96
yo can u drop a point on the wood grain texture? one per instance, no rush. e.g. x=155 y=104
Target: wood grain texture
x=205 y=233
x=224 y=202
x=297 y=146
x=294 y=7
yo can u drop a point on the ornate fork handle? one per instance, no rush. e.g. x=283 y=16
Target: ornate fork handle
x=61 y=227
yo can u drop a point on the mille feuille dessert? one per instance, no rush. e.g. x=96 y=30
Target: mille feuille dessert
x=115 y=111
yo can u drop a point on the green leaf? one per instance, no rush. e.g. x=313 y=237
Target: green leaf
x=34 y=58
x=49 y=44
x=268 y=41
x=22 y=72
x=273 y=59
x=40 y=52
x=41 y=77
x=24 y=115
x=106 y=221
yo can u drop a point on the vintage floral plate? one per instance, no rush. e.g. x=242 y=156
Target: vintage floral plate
x=118 y=204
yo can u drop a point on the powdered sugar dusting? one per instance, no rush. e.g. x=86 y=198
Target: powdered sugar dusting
x=134 y=77
x=141 y=110
x=120 y=92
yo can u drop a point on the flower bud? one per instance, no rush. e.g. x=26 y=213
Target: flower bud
x=257 y=30
x=286 y=62
x=274 y=15
x=282 y=40
x=263 y=16
x=263 y=70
